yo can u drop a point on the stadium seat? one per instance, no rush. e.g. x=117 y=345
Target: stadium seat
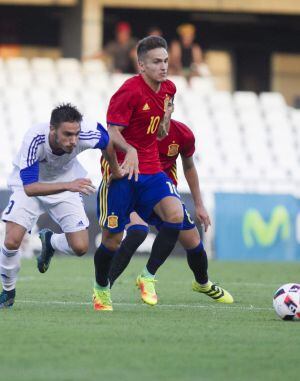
x=220 y=100
x=20 y=79
x=3 y=79
x=117 y=79
x=17 y=64
x=66 y=95
x=272 y=102
x=72 y=81
x=180 y=83
x=47 y=80
x=67 y=65
x=98 y=82
x=93 y=66
x=202 y=85
x=42 y=64
x=245 y=100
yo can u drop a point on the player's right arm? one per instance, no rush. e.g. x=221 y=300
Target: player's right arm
x=84 y=186
x=30 y=154
x=130 y=164
x=121 y=107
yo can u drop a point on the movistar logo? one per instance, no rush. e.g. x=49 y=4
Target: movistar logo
x=255 y=229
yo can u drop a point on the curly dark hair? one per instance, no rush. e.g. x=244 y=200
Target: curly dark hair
x=149 y=43
x=65 y=112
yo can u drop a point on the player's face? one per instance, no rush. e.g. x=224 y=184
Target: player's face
x=154 y=66
x=66 y=136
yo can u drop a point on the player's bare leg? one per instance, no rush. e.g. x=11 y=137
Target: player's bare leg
x=78 y=242
x=74 y=243
x=10 y=262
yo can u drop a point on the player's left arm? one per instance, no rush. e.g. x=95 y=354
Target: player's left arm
x=191 y=175
x=164 y=126
x=110 y=155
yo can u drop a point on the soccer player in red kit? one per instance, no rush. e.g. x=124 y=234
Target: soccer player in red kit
x=179 y=141
x=135 y=114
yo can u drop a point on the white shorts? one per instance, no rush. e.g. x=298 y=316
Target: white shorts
x=65 y=208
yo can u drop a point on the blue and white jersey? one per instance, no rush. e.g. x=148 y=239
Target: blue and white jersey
x=35 y=160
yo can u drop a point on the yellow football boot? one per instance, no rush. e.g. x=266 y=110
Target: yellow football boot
x=146 y=285
x=213 y=291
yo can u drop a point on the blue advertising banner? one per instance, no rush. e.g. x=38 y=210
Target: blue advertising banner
x=257 y=227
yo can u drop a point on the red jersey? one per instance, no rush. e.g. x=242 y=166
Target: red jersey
x=139 y=109
x=180 y=140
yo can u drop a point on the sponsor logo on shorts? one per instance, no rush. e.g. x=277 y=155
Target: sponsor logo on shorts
x=173 y=149
x=112 y=221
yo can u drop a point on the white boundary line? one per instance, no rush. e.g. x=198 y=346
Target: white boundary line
x=273 y=285
x=176 y=306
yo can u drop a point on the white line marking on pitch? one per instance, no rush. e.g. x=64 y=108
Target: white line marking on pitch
x=69 y=303
x=37 y=278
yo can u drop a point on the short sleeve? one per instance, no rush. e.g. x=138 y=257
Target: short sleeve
x=30 y=174
x=188 y=147
x=29 y=156
x=121 y=106
x=91 y=137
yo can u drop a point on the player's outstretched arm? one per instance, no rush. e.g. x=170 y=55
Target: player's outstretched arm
x=130 y=164
x=84 y=186
x=191 y=175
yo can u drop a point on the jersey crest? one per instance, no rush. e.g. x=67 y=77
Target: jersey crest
x=173 y=149
x=112 y=221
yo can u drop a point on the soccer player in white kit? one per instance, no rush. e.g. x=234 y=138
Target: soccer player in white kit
x=47 y=177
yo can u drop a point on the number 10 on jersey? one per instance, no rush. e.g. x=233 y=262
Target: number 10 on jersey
x=153 y=125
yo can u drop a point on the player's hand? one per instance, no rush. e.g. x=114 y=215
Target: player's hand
x=84 y=186
x=115 y=175
x=130 y=164
x=202 y=216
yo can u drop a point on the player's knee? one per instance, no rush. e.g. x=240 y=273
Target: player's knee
x=12 y=243
x=175 y=216
x=112 y=241
x=112 y=245
x=80 y=249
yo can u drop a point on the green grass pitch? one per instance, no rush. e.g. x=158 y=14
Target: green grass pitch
x=52 y=332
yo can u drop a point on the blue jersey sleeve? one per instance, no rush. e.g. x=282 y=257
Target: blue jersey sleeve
x=30 y=174
x=104 y=138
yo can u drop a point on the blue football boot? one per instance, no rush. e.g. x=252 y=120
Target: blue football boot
x=44 y=259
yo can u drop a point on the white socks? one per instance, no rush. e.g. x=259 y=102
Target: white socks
x=59 y=242
x=9 y=268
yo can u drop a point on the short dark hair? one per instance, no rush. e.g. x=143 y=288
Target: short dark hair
x=65 y=112
x=149 y=43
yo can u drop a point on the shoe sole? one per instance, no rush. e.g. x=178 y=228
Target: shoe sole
x=103 y=309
